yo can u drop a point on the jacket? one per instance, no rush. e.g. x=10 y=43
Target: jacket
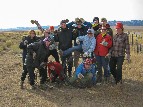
x=58 y=70
x=101 y=50
x=24 y=47
x=41 y=54
x=64 y=37
x=81 y=69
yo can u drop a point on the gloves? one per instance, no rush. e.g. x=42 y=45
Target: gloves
x=77 y=41
x=86 y=54
x=104 y=43
x=25 y=42
x=43 y=65
x=80 y=76
x=34 y=55
x=51 y=47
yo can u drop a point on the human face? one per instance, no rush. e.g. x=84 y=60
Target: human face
x=87 y=66
x=63 y=25
x=78 y=25
x=47 y=43
x=47 y=32
x=96 y=21
x=119 y=31
x=90 y=34
x=52 y=68
x=103 y=30
x=32 y=34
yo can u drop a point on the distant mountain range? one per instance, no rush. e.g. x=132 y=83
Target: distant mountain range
x=112 y=23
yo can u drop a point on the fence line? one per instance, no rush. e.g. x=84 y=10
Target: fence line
x=136 y=41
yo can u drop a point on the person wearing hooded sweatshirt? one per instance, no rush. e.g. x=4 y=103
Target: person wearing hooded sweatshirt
x=37 y=57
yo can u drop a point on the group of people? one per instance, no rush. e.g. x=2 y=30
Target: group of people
x=94 y=41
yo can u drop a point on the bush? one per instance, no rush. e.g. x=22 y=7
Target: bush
x=8 y=43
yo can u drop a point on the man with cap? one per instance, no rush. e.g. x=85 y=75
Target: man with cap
x=120 y=47
x=85 y=74
x=37 y=57
x=64 y=37
x=79 y=29
x=87 y=46
x=108 y=28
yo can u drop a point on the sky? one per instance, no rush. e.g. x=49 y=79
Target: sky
x=18 y=13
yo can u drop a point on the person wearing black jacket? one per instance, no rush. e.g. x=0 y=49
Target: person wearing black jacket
x=37 y=57
x=79 y=29
x=31 y=38
x=64 y=37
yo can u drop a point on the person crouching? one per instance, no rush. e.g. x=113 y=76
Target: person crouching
x=85 y=74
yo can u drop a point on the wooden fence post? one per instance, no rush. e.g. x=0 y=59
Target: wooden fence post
x=132 y=39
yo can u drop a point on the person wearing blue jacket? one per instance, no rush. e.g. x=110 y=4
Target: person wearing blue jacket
x=85 y=74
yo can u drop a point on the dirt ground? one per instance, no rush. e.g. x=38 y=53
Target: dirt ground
x=130 y=94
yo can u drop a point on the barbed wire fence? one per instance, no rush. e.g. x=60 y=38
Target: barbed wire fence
x=136 y=41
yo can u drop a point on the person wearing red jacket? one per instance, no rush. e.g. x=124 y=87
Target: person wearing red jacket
x=55 y=70
x=103 y=44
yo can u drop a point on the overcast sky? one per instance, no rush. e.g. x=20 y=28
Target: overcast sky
x=15 y=13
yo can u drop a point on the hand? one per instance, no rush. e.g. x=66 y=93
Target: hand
x=104 y=43
x=25 y=42
x=77 y=41
x=85 y=54
x=43 y=65
x=108 y=56
x=51 y=75
x=34 y=55
x=128 y=58
x=80 y=76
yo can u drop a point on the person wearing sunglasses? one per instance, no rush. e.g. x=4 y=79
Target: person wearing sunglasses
x=103 y=44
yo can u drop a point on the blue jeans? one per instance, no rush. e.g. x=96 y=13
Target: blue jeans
x=70 y=50
x=102 y=62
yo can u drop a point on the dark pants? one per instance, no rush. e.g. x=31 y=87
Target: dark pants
x=31 y=74
x=42 y=72
x=54 y=53
x=24 y=73
x=116 y=67
x=67 y=63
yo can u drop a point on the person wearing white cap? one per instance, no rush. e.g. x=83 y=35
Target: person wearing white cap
x=87 y=47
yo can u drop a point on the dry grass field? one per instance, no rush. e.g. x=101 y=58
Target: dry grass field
x=129 y=94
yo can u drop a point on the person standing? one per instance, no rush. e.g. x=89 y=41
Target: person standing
x=31 y=38
x=64 y=37
x=37 y=57
x=120 y=47
x=103 y=44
